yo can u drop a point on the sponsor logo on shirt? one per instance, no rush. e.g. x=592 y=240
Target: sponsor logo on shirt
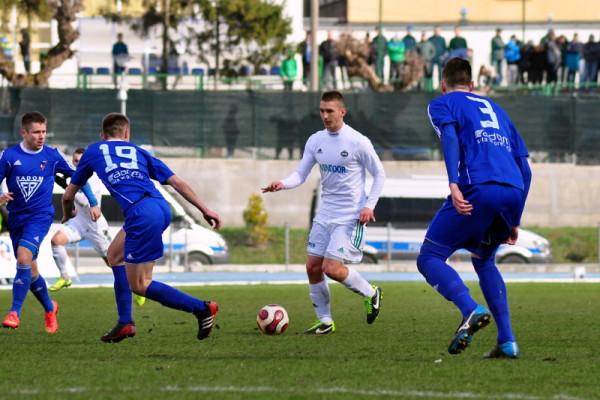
x=482 y=136
x=29 y=185
x=339 y=169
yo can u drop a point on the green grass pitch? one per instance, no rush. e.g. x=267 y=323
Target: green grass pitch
x=402 y=355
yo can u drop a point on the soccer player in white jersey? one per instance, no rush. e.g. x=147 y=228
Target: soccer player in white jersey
x=337 y=233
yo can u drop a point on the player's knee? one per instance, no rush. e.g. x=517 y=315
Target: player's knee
x=481 y=263
x=114 y=258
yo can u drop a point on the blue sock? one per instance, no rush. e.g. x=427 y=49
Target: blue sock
x=446 y=281
x=122 y=294
x=40 y=291
x=494 y=290
x=173 y=298
x=20 y=287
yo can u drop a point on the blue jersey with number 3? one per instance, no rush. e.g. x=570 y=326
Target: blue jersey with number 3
x=489 y=142
x=124 y=168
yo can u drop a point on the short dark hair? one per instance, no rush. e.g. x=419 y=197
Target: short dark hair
x=32 y=117
x=114 y=124
x=457 y=72
x=79 y=150
x=333 y=95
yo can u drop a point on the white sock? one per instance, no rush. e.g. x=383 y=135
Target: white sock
x=319 y=294
x=59 y=253
x=355 y=282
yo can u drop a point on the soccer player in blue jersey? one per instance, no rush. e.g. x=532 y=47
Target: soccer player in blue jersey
x=126 y=170
x=489 y=178
x=29 y=168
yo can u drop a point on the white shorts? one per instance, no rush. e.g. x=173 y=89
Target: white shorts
x=343 y=242
x=95 y=233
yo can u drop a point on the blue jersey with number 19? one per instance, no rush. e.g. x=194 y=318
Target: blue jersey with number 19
x=124 y=168
x=489 y=142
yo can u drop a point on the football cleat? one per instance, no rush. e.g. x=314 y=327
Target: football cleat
x=50 y=319
x=373 y=305
x=479 y=318
x=139 y=300
x=504 y=350
x=320 y=328
x=206 y=319
x=59 y=284
x=11 y=320
x=119 y=332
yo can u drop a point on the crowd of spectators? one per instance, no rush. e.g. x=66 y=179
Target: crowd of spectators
x=555 y=59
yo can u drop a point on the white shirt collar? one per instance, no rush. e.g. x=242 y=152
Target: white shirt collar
x=338 y=131
x=26 y=150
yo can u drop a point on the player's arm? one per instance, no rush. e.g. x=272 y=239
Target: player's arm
x=4 y=168
x=188 y=193
x=298 y=177
x=523 y=165
x=79 y=180
x=373 y=164
x=68 y=202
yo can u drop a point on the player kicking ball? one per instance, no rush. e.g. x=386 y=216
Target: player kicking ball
x=81 y=227
x=126 y=170
x=337 y=233
x=489 y=179
x=29 y=168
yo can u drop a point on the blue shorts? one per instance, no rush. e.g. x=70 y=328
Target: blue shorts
x=145 y=222
x=29 y=230
x=496 y=209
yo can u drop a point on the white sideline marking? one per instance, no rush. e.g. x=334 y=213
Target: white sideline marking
x=333 y=390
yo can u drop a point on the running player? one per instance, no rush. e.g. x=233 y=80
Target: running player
x=337 y=233
x=489 y=178
x=126 y=170
x=29 y=168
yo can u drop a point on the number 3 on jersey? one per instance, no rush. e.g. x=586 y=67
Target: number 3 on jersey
x=487 y=110
x=127 y=152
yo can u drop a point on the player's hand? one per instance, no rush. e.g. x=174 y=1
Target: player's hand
x=212 y=218
x=95 y=213
x=5 y=198
x=461 y=205
x=366 y=216
x=275 y=186
x=514 y=235
x=68 y=215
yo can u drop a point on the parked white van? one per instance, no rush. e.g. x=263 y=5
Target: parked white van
x=405 y=209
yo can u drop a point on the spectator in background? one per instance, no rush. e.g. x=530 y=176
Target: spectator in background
x=512 y=53
x=573 y=58
x=538 y=65
x=591 y=57
x=329 y=53
x=397 y=54
x=343 y=62
x=304 y=48
x=410 y=43
x=525 y=63
x=380 y=47
x=457 y=42
x=289 y=70
x=120 y=55
x=426 y=50
x=498 y=56
x=439 y=43
x=553 y=57
x=25 y=45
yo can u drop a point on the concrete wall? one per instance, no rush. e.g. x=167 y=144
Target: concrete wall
x=561 y=194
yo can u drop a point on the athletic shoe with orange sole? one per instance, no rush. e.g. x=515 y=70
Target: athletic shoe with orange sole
x=11 y=320
x=50 y=319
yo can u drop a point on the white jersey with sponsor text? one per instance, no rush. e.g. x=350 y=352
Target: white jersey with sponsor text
x=343 y=158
